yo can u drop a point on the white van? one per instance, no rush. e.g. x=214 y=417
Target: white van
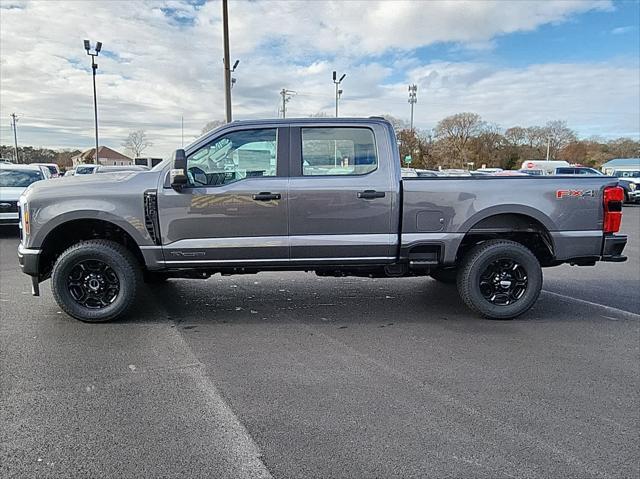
x=548 y=167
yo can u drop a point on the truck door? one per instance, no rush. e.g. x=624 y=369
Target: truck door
x=341 y=195
x=234 y=207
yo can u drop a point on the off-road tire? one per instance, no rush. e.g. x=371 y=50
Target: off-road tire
x=445 y=275
x=118 y=258
x=478 y=259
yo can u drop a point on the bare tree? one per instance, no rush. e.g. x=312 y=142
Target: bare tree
x=456 y=131
x=515 y=136
x=558 y=136
x=212 y=125
x=137 y=142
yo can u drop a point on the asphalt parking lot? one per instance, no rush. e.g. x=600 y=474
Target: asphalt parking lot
x=291 y=375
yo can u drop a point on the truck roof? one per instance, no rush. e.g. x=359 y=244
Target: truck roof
x=271 y=121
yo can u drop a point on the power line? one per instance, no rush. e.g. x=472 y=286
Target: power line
x=14 y=118
x=286 y=96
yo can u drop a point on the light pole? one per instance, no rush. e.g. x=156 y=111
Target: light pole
x=94 y=67
x=413 y=99
x=338 y=91
x=228 y=70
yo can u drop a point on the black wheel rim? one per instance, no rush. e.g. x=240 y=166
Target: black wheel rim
x=93 y=284
x=503 y=282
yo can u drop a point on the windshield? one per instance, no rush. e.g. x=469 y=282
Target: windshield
x=627 y=174
x=19 y=178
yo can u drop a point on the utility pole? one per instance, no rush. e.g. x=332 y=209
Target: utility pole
x=286 y=96
x=14 y=118
x=338 y=91
x=548 y=146
x=227 y=62
x=413 y=99
x=94 y=67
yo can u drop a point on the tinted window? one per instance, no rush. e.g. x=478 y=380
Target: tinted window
x=565 y=171
x=233 y=157
x=19 y=178
x=338 y=151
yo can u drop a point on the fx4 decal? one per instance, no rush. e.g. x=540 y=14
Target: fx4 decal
x=561 y=194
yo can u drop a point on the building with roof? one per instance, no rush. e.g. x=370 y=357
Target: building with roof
x=106 y=156
x=621 y=164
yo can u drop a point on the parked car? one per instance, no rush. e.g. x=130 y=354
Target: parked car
x=14 y=179
x=70 y=172
x=547 y=167
x=577 y=170
x=52 y=167
x=85 y=169
x=113 y=169
x=426 y=172
x=532 y=172
x=278 y=195
x=453 y=172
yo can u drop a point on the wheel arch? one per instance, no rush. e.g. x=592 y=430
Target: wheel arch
x=530 y=230
x=74 y=231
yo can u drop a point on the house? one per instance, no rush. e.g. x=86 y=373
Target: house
x=106 y=156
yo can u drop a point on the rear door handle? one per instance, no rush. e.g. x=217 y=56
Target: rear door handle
x=370 y=194
x=266 y=196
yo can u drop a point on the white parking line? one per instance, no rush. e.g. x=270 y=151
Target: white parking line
x=622 y=312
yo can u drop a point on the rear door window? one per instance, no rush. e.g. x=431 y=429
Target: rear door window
x=338 y=151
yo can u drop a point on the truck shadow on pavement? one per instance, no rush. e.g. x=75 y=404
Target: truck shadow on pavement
x=300 y=297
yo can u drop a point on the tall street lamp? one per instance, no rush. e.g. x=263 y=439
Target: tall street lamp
x=338 y=91
x=94 y=66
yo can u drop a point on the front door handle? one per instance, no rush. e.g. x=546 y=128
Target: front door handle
x=370 y=194
x=266 y=196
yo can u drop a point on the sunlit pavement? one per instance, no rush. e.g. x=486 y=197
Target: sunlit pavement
x=291 y=375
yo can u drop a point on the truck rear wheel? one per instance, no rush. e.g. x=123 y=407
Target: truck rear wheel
x=500 y=279
x=96 y=280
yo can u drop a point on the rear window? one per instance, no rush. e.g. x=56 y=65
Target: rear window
x=52 y=169
x=338 y=151
x=19 y=178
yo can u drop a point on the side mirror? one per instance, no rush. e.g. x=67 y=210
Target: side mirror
x=178 y=174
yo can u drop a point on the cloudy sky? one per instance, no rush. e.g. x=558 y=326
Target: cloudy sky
x=514 y=63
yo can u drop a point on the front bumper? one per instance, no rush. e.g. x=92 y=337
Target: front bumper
x=612 y=248
x=29 y=260
x=634 y=196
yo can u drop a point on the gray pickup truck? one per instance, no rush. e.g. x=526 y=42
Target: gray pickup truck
x=322 y=195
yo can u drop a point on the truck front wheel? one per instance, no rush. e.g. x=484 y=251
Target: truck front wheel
x=500 y=279
x=96 y=280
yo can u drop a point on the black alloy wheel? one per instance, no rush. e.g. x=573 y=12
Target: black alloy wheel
x=93 y=284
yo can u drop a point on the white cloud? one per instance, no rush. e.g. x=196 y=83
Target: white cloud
x=162 y=60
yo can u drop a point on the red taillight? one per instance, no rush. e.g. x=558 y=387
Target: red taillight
x=613 y=198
